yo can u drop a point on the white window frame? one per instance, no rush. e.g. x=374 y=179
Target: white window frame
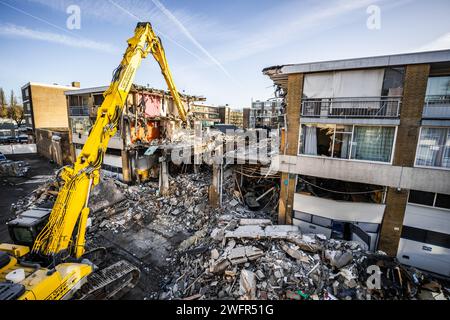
x=417 y=150
x=394 y=142
x=424 y=205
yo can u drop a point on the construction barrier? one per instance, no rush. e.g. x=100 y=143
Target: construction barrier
x=18 y=148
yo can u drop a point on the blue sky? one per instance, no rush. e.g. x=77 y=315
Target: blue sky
x=215 y=48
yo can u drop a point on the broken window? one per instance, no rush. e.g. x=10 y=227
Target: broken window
x=393 y=82
x=340 y=190
x=342 y=141
x=80 y=125
x=317 y=139
x=98 y=99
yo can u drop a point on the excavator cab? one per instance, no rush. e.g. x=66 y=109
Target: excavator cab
x=24 y=229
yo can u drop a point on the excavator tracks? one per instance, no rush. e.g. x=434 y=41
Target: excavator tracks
x=110 y=283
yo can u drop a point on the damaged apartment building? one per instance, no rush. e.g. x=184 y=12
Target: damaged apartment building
x=150 y=117
x=366 y=153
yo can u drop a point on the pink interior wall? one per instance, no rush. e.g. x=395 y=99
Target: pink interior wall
x=152 y=104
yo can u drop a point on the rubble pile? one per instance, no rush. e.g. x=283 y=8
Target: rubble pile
x=10 y=168
x=233 y=252
x=116 y=205
x=251 y=259
x=43 y=196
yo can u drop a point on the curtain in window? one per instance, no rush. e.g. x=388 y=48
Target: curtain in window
x=372 y=143
x=434 y=148
x=446 y=151
x=354 y=83
x=438 y=86
x=310 y=140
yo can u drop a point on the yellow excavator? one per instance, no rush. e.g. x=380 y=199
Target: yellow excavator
x=47 y=259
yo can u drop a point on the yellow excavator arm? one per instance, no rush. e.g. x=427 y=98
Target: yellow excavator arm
x=64 y=234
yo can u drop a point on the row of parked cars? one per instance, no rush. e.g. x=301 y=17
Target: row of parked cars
x=23 y=138
x=9 y=168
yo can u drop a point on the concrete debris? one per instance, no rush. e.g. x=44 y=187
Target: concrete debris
x=258 y=222
x=278 y=262
x=192 y=240
x=233 y=252
x=10 y=168
x=105 y=195
x=247 y=285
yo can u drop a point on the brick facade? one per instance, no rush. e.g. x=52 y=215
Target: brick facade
x=288 y=181
x=415 y=85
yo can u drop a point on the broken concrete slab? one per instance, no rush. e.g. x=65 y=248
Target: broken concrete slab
x=252 y=231
x=215 y=254
x=105 y=195
x=258 y=222
x=247 y=285
x=192 y=240
x=296 y=254
x=218 y=234
x=281 y=231
x=235 y=256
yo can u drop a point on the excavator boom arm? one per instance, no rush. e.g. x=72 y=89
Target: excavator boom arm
x=63 y=235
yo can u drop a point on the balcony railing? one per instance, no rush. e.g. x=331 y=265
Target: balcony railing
x=367 y=107
x=79 y=111
x=436 y=106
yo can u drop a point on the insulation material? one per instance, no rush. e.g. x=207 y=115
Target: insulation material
x=145 y=131
x=344 y=84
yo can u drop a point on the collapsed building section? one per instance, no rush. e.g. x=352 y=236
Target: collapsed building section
x=148 y=120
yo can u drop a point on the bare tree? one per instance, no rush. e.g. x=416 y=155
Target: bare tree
x=3 y=104
x=15 y=111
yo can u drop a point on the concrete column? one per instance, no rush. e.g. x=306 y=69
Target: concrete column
x=215 y=187
x=198 y=142
x=126 y=166
x=291 y=134
x=391 y=227
x=415 y=85
x=163 y=176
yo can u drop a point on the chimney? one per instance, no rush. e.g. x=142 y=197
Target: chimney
x=76 y=84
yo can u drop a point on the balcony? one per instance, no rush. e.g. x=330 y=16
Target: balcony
x=115 y=142
x=367 y=107
x=78 y=111
x=436 y=107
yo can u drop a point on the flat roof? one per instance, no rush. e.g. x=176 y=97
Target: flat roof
x=135 y=87
x=279 y=73
x=58 y=86
x=87 y=90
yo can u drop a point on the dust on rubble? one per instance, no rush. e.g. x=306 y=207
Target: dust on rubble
x=189 y=250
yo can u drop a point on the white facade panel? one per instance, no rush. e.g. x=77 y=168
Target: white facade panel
x=427 y=218
x=424 y=256
x=339 y=210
